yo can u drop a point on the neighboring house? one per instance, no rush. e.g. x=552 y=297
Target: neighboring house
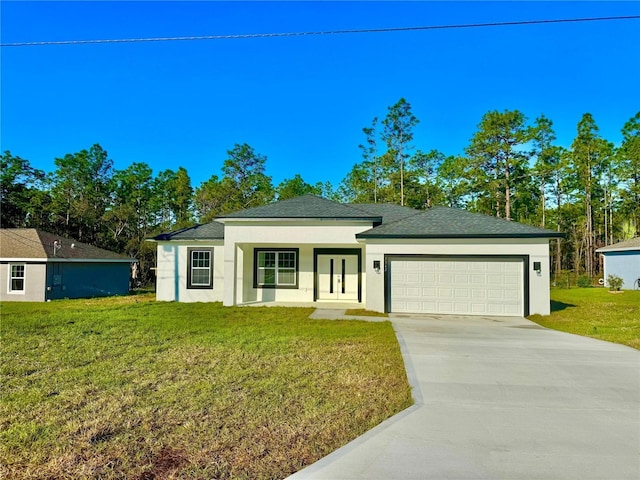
x=385 y=258
x=36 y=266
x=623 y=260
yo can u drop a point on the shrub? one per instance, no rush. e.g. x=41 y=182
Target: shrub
x=564 y=279
x=614 y=282
x=584 y=281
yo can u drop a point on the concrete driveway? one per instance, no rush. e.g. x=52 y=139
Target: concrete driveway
x=502 y=398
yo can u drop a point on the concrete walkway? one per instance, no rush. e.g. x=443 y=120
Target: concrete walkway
x=502 y=398
x=339 y=314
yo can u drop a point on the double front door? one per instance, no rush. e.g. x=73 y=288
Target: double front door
x=338 y=277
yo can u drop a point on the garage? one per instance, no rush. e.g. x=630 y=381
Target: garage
x=462 y=285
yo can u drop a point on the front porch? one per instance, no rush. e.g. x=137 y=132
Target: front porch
x=294 y=275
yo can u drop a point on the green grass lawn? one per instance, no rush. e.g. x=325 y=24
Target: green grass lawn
x=594 y=312
x=132 y=388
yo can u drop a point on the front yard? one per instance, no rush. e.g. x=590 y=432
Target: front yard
x=594 y=312
x=132 y=388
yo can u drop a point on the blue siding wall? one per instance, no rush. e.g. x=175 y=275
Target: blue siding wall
x=625 y=265
x=84 y=280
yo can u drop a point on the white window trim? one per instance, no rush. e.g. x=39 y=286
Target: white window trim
x=11 y=277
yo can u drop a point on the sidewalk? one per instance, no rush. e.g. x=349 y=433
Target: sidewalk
x=338 y=314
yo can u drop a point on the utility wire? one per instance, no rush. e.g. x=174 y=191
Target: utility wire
x=38 y=242
x=16 y=234
x=327 y=32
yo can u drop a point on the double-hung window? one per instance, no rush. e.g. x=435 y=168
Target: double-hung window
x=276 y=268
x=16 y=278
x=200 y=268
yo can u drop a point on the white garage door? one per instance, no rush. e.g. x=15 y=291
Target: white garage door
x=457 y=286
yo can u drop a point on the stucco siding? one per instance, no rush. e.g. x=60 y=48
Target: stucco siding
x=241 y=238
x=303 y=232
x=625 y=265
x=171 y=272
x=306 y=275
x=536 y=249
x=35 y=278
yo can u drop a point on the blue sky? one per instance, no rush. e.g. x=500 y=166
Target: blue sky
x=300 y=101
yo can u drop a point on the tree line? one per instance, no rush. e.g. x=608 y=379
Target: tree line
x=512 y=168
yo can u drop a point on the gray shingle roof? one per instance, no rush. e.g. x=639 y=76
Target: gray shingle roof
x=388 y=211
x=444 y=222
x=389 y=221
x=208 y=231
x=38 y=244
x=305 y=207
x=633 y=244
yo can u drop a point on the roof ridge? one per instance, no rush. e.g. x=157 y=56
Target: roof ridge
x=354 y=206
x=304 y=206
x=392 y=222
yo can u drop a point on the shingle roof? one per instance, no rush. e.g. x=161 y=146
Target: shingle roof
x=37 y=244
x=208 y=231
x=389 y=212
x=633 y=244
x=389 y=220
x=444 y=222
x=305 y=207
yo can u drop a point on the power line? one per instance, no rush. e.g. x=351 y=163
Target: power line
x=326 y=32
x=70 y=241
x=16 y=234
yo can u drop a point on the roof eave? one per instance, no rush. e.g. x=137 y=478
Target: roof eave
x=67 y=260
x=193 y=239
x=90 y=260
x=614 y=250
x=23 y=259
x=486 y=235
x=295 y=218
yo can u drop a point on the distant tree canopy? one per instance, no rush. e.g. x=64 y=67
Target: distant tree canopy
x=512 y=168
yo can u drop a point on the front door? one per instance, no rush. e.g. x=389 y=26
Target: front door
x=338 y=277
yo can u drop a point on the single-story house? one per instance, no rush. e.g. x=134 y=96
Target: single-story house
x=384 y=258
x=36 y=266
x=623 y=260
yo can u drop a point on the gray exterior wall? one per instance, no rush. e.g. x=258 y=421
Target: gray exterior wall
x=34 y=279
x=625 y=265
x=87 y=279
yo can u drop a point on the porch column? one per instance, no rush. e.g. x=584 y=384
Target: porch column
x=239 y=280
x=229 y=294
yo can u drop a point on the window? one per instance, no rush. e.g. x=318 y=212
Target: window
x=275 y=268
x=16 y=278
x=200 y=269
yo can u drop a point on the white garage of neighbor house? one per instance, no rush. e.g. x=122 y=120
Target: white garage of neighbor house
x=623 y=260
x=384 y=258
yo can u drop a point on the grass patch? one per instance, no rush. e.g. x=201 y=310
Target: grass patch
x=128 y=387
x=594 y=312
x=361 y=312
